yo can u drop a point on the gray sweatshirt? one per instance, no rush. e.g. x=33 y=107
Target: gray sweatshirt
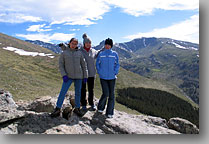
x=89 y=58
x=72 y=63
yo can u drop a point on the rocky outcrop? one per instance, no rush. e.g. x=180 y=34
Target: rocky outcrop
x=6 y=99
x=8 y=108
x=183 y=126
x=33 y=117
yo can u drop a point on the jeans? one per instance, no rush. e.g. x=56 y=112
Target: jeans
x=90 y=83
x=108 y=87
x=65 y=87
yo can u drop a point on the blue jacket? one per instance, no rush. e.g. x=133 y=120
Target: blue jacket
x=107 y=64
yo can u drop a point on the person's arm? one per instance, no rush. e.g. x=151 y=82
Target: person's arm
x=63 y=46
x=117 y=65
x=62 y=65
x=98 y=64
x=84 y=66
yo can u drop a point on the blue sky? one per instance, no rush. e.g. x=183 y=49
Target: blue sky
x=57 y=21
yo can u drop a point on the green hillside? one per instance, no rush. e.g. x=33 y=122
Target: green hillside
x=157 y=103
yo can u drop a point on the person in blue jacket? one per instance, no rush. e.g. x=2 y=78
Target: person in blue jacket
x=107 y=65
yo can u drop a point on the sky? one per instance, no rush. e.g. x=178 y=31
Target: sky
x=56 y=21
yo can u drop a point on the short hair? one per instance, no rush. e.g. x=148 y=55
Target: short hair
x=73 y=39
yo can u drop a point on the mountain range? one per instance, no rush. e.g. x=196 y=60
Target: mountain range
x=163 y=59
x=53 y=47
x=30 y=71
x=166 y=59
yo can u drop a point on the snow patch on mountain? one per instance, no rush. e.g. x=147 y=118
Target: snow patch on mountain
x=117 y=45
x=193 y=48
x=182 y=47
x=179 y=46
x=144 y=42
x=26 y=53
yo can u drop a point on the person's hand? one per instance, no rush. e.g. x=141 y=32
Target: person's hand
x=65 y=78
x=61 y=44
x=85 y=80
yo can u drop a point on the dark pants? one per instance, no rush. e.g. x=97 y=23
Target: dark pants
x=108 y=87
x=90 y=83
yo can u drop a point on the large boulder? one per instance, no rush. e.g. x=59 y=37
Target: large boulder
x=183 y=126
x=46 y=103
x=8 y=108
x=155 y=120
x=6 y=99
x=10 y=114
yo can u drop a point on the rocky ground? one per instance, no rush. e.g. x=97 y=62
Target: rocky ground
x=33 y=117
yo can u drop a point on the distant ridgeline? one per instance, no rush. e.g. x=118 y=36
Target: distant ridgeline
x=157 y=103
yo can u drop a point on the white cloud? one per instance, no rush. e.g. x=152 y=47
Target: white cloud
x=144 y=7
x=18 y=18
x=80 y=22
x=74 y=29
x=187 y=30
x=81 y=12
x=47 y=37
x=38 y=28
x=61 y=36
x=47 y=26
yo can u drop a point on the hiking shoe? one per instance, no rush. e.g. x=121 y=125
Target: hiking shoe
x=84 y=108
x=100 y=111
x=109 y=116
x=78 y=112
x=56 y=112
x=93 y=108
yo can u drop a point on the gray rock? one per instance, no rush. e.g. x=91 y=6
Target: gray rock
x=9 y=129
x=10 y=114
x=155 y=120
x=6 y=99
x=2 y=132
x=34 y=118
x=135 y=124
x=183 y=126
x=8 y=111
x=43 y=104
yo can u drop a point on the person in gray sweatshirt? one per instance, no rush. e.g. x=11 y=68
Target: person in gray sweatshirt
x=90 y=55
x=73 y=68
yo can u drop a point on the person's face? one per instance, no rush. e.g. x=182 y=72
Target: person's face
x=87 y=45
x=108 y=46
x=73 y=44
